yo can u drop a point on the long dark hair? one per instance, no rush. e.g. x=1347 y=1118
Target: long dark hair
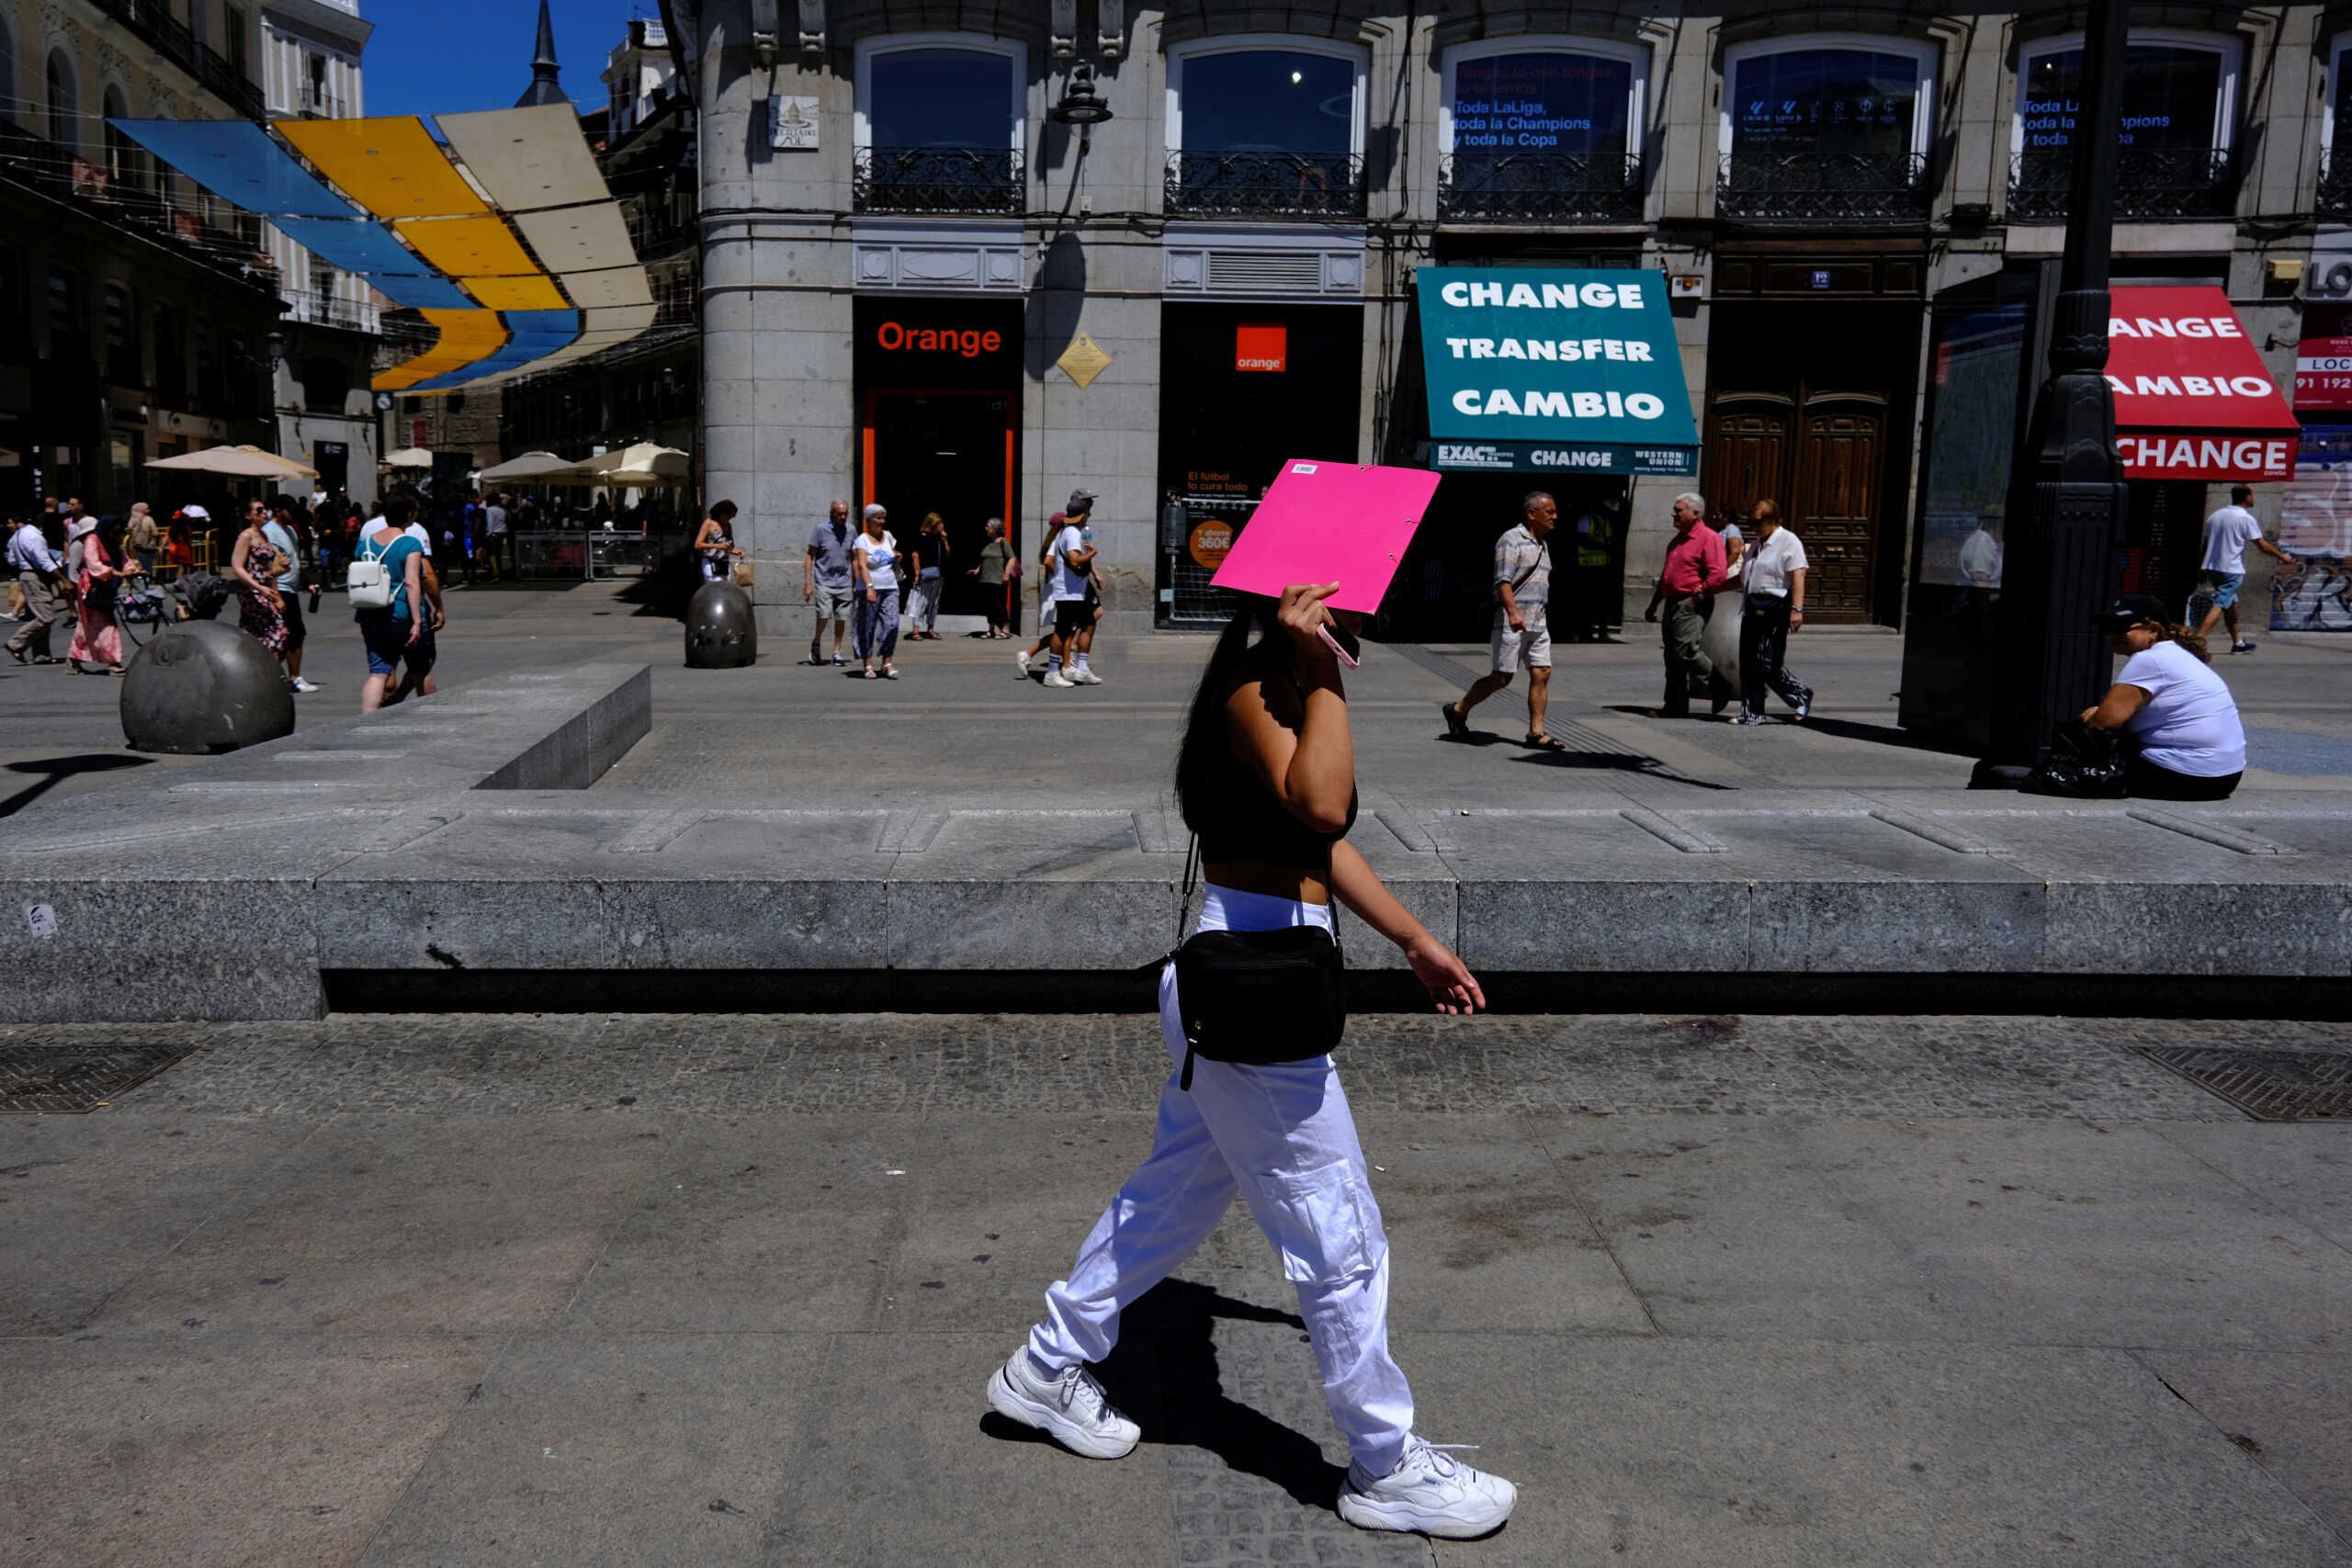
x=1204 y=762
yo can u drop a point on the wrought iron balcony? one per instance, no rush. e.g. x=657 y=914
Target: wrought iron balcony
x=938 y=179
x=1824 y=187
x=1265 y=184
x=121 y=198
x=2334 y=198
x=1540 y=187
x=2150 y=183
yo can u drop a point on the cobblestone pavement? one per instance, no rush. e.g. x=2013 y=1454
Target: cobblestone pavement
x=723 y=1289
x=751 y=1064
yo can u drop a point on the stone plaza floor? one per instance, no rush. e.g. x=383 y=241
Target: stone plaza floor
x=720 y=1290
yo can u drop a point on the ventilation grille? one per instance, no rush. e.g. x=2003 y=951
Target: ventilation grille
x=1266 y=272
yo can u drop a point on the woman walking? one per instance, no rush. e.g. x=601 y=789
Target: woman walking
x=998 y=570
x=714 y=543
x=874 y=566
x=1266 y=778
x=930 y=559
x=97 y=577
x=253 y=567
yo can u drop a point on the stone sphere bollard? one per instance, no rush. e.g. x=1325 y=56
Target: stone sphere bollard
x=721 y=633
x=203 y=686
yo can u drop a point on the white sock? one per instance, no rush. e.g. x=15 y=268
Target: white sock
x=1082 y=661
x=1053 y=664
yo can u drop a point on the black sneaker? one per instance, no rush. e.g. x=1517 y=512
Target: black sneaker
x=2240 y=647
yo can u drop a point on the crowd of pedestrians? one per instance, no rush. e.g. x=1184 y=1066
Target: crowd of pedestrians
x=276 y=560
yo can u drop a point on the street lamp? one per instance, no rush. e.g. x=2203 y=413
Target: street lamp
x=2062 y=570
x=1081 y=105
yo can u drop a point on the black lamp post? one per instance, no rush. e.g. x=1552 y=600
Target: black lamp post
x=2061 y=568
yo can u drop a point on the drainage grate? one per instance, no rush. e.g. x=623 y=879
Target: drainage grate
x=2270 y=1085
x=48 y=1079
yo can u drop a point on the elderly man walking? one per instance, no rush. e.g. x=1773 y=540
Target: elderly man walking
x=825 y=578
x=1694 y=569
x=37 y=573
x=1522 y=633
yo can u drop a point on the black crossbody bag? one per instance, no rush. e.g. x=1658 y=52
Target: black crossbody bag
x=1258 y=998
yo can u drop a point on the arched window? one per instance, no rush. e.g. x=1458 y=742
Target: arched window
x=1827 y=127
x=2178 y=121
x=1265 y=126
x=939 y=124
x=64 y=96
x=125 y=168
x=1542 y=130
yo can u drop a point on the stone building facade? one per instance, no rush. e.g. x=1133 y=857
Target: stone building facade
x=135 y=309
x=920 y=287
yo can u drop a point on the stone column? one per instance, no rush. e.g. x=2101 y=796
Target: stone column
x=779 y=425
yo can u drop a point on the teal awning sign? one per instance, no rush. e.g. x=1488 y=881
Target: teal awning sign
x=1559 y=369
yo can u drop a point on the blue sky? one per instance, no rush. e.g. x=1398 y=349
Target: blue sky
x=443 y=56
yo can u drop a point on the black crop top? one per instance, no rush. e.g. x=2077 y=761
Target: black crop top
x=1249 y=823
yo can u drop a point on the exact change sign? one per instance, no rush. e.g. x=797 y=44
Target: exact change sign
x=1554 y=369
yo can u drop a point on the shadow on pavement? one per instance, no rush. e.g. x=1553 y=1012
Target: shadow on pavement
x=53 y=769
x=1164 y=1373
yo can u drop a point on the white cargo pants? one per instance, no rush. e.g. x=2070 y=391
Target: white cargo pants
x=1282 y=1136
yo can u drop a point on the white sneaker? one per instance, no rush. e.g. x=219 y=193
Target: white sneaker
x=1429 y=1493
x=1058 y=681
x=1021 y=659
x=1070 y=1409
x=1084 y=677
x=303 y=685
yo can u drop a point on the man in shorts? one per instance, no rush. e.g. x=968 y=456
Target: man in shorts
x=2227 y=533
x=825 y=579
x=1522 y=633
x=281 y=533
x=1073 y=568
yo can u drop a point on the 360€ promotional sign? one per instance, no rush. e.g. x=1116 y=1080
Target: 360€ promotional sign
x=1536 y=369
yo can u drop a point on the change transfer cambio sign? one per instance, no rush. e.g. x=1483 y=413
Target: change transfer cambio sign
x=1557 y=370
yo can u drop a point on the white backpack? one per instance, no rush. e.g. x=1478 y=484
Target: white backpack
x=369 y=585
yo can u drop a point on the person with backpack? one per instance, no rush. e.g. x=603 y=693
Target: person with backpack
x=1522 y=631
x=1250 y=1008
x=386 y=583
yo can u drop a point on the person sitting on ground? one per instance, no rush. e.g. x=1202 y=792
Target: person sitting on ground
x=2191 y=745
x=1522 y=633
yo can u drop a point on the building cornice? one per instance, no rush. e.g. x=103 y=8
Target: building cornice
x=331 y=22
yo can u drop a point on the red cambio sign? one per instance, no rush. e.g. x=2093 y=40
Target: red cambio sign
x=2193 y=400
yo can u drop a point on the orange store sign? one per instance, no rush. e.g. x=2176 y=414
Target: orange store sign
x=968 y=343
x=1261 y=345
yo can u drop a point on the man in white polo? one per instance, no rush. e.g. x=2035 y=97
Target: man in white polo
x=2227 y=533
x=1522 y=631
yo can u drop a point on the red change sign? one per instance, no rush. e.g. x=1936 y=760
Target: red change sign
x=2192 y=399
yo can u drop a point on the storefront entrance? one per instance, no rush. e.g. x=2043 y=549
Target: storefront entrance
x=1809 y=405
x=939 y=423
x=1242 y=388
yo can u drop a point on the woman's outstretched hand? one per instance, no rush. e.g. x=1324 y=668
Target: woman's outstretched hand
x=1302 y=615
x=1447 y=979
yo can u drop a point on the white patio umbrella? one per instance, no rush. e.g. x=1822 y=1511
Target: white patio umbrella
x=235 y=462
x=409 y=457
x=543 y=468
x=642 y=465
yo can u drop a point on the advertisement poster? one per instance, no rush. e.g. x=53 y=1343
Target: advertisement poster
x=1824 y=101
x=2313 y=592
x=1540 y=103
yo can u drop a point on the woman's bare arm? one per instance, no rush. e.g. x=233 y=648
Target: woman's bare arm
x=2115 y=710
x=1446 y=978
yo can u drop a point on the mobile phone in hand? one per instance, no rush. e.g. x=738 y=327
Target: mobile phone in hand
x=1342 y=642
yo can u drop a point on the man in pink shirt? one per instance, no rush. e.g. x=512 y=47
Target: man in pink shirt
x=1694 y=566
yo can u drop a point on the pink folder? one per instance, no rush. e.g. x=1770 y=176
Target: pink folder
x=1323 y=522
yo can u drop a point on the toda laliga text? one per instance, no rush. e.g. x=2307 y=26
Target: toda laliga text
x=1552 y=296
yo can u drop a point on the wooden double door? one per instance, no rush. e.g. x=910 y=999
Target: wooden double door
x=1821 y=456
